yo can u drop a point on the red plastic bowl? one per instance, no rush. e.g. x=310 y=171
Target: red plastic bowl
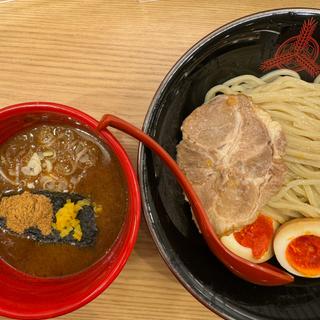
x=26 y=297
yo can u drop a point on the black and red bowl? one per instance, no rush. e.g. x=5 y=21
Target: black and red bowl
x=241 y=47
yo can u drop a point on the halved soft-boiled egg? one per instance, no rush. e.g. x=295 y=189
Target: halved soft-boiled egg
x=297 y=247
x=254 y=241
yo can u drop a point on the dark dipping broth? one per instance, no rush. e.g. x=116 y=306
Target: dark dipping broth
x=100 y=180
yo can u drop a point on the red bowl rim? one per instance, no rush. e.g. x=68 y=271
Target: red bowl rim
x=134 y=202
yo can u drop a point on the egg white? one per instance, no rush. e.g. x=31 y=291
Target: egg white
x=244 y=252
x=289 y=231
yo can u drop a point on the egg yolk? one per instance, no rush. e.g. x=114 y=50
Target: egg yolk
x=303 y=254
x=256 y=236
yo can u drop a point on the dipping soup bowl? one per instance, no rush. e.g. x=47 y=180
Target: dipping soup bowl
x=26 y=297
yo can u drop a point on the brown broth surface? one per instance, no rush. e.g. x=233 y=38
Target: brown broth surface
x=105 y=185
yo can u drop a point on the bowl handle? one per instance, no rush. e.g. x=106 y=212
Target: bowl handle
x=262 y=274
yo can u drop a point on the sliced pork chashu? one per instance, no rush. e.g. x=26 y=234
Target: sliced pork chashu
x=231 y=153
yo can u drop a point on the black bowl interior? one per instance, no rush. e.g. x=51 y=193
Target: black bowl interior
x=238 y=48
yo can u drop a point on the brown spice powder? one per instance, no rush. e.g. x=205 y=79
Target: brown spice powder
x=27 y=210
